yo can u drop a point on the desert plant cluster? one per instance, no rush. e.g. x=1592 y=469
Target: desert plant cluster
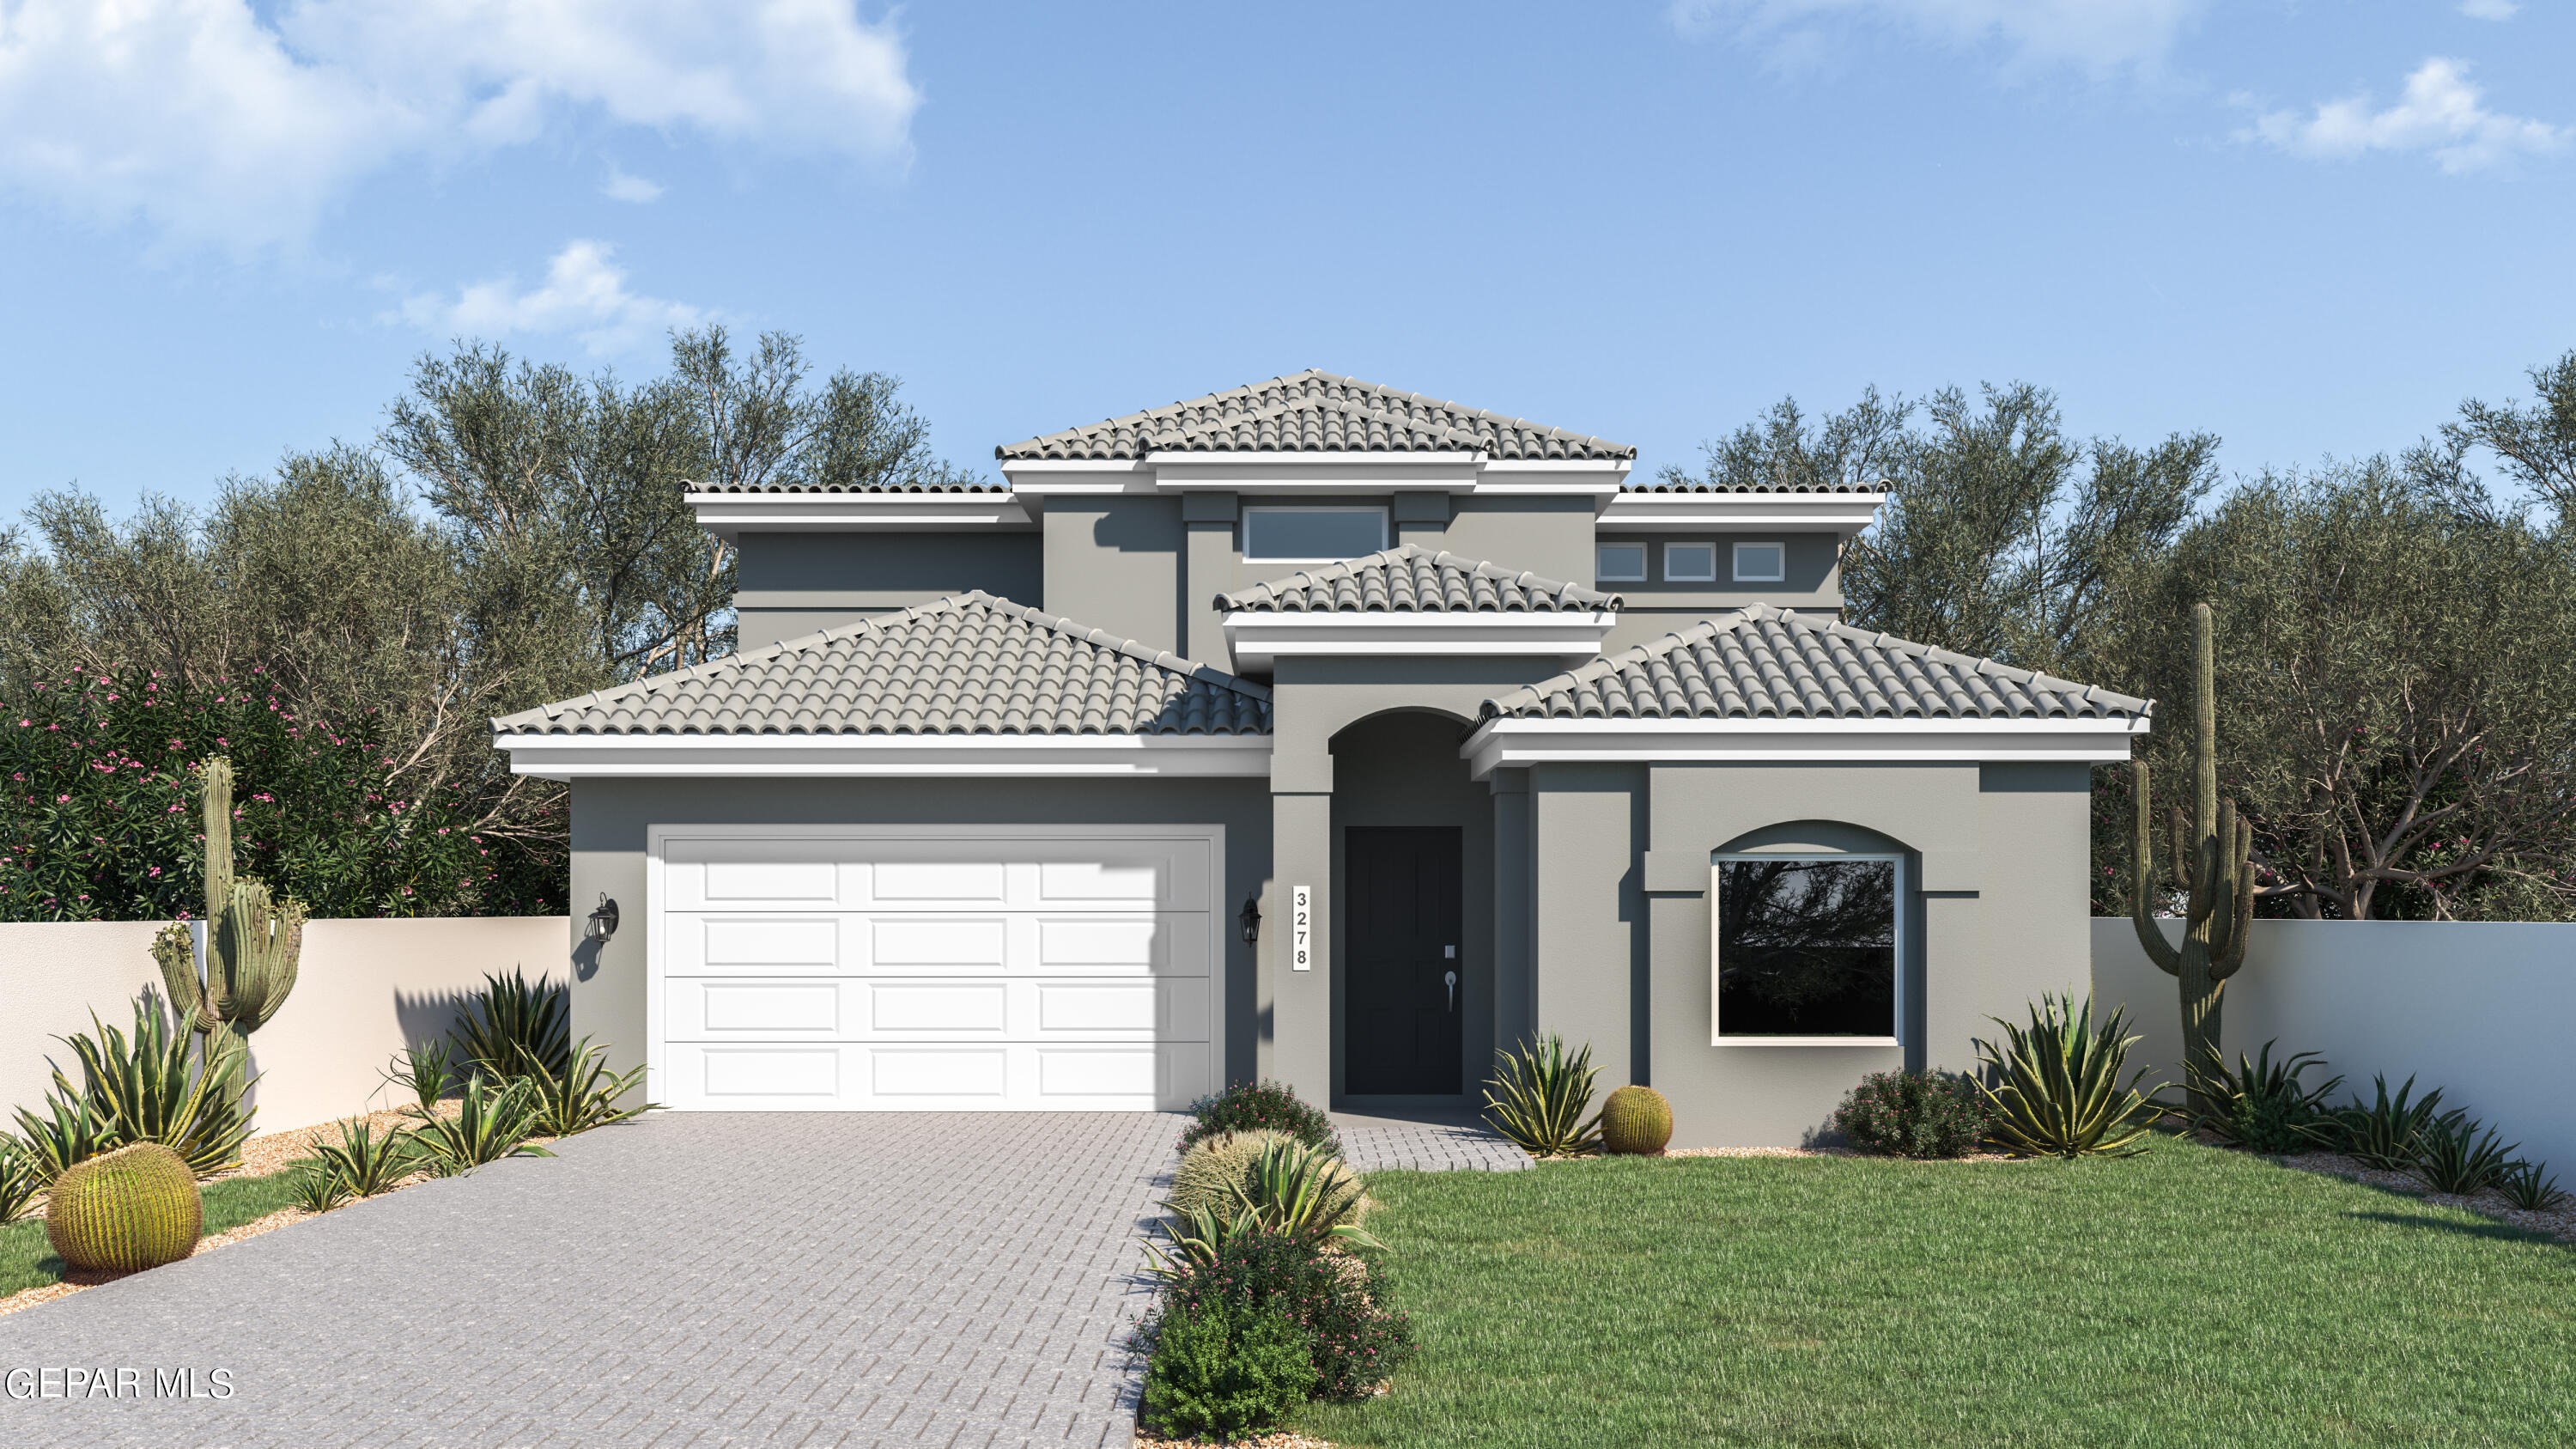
x=1270 y=1292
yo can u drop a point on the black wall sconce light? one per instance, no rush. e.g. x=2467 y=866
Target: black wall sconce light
x=603 y=921
x=1251 y=919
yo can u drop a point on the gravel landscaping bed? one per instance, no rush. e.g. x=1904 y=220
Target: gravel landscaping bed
x=2558 y=1222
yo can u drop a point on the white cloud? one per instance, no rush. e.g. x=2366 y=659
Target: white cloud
x=2441 y=114
x=621 y=187
x=215 y=126
x=2489 y=9
x=585 y=296
x=2093 y=35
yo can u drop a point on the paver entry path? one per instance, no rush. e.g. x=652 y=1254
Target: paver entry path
x=949 y=1279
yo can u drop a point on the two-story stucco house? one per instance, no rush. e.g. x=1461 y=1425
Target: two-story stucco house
x=1322 y=732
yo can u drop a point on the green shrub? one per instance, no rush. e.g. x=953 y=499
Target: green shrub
x=1263 y=1106
x=2388 y=1132
x=1636 y=1121
x=2262 y=1105
x=513 y=1022
x=2454 y=1156
x=584 y=1095
x=494 y=1120
x=1219 y=1372
x=2058 y=1091
x=1342 y=1301
x=153 y=1087
x=1538 y=1096
x=2530 y=1187
x=1915 y=1114
x=123 y=1211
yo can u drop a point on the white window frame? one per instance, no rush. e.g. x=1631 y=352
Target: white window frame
x=1385 y=530
x=1674 y=576
x=1780 y=573
x=1716 y=1027
x=1645 y=552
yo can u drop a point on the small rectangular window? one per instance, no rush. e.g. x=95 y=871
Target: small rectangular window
x=1619 y=563
x=1312 y=535
x=1690 y=563
x=1806 y=948
x=1761 y=563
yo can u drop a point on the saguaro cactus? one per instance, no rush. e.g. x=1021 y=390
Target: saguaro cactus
x=252 y=944
x=2213 y=864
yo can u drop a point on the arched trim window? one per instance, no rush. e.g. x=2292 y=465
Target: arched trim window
x=1808 y=947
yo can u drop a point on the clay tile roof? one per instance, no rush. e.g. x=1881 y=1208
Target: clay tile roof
x=1686 y=485
x=1766 y=662
x=967 y=664
x=1413 y=579
x=1314 y=411
x=917 y=485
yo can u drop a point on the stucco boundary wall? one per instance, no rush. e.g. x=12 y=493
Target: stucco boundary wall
x=2481 y=1010
x=364 y=991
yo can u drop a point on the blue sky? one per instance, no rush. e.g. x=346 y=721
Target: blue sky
x=2311 y=228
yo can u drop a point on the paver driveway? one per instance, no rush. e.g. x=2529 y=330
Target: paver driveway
x=690 y=1279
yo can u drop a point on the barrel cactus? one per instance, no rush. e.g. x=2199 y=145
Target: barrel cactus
x=1214 y=1174
x=1637 y=1121
x=124 y=1211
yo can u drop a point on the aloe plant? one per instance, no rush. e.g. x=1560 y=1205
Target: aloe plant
x=494 y=1120
x=426 y=1071
x=2056 y=1087
x=1538 y=1098
x=2454 y=1156
x=364 y=1164
x=2261 y=1104
x=20 y=1179
x=1304 y=1192
x=2531 y=1187
x=584 y=1095
x=2389 y=1131
x=71 y=1131
x=318 y=1190
x=513 y=1021
x=152 y=1088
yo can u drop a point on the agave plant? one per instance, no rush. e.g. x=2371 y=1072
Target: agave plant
x=2452 y=1156
x=495 y=1121
x=317 y=1190
x=2389 y=1131
x=511 y=1021
x=1538 y=1097
x=1303 y=1192
x=584 y=1095
x=20 y=1178
x=364 y=1164
x=2531 y=1187
x=426 y=1071
x=2260 y=1104
x=2057 y=1090
x=1198 y=1238
x=152 y=1088
x=70 y=1131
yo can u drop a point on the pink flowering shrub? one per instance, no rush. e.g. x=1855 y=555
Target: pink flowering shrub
x=99 y=819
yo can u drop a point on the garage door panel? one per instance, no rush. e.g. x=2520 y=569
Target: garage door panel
x=926 y=943
x=719 y=1009
x=952 y=1077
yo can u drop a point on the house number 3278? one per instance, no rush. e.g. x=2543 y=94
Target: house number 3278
x=1301 y=928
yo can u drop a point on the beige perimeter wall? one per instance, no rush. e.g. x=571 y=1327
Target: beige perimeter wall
x=2481 y=1010
x=364 y=991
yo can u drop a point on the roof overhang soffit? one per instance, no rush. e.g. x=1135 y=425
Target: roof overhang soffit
x=1258 y=638
x=576 y=757
x=1844 y=513
x=1513 y=743
x=727 y=515
x=1315 y=474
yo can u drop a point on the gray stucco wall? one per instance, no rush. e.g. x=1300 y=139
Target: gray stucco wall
x=609 y=818
x=790 y=584
x=1115 y=564
x=1998 y=914
x=1811 y=561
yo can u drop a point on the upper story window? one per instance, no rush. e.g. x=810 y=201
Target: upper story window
x=1619 y=563
x=1761 y=563
x=1312 y=535
x=1807 y=948
x=1690 y=563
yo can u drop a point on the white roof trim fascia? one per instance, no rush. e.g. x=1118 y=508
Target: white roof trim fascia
x=728 y=514
x=1669 y=512
x=1512 y=743
x=1257 y=638
x=1291 y=473
x=583 y=757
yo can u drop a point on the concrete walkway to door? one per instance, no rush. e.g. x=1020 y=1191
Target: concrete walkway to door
x=950 y=1279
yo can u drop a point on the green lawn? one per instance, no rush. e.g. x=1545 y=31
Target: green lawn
x=28 y=1261
x=2192 y=1296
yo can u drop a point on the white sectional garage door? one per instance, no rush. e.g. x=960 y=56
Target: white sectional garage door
x=934 y=969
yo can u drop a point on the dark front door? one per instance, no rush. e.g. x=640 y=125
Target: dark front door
x=1402 y=981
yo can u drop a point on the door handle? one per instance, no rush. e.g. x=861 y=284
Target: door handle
x=1452 y=978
